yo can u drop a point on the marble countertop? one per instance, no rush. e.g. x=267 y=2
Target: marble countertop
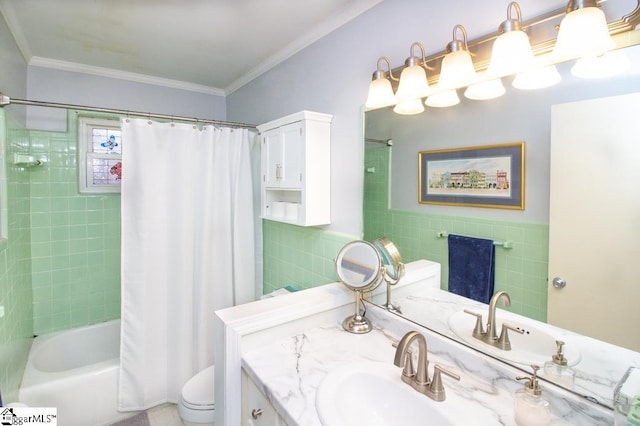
x=289 y=372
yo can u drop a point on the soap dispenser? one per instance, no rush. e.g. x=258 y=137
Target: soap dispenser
x=557 y=369
x=531 y=409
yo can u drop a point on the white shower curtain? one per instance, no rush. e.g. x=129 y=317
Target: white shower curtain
x=187 y=250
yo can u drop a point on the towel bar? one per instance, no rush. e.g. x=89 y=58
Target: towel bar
x=503 y=244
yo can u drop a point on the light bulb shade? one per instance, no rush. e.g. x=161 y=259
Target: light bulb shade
x=457 y=70
x=485 y=90
x=409 y=107
x=610 y=64
x=583 y=32
x=511 y=53
x=413 y=84
x=380 y=94
x=443 y=99
x=537 y=78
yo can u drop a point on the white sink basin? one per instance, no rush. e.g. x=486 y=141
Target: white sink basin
x=371 y=393
x=535 y=346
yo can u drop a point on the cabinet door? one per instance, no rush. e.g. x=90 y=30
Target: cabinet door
x=282 y=162
x=271 y=157
x=259 y=411
x=291 y=156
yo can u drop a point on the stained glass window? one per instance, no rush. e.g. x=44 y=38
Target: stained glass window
x=100 y=155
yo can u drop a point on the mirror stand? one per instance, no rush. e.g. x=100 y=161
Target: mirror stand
x=388 y=305
x=357 y=323
x=393 y=268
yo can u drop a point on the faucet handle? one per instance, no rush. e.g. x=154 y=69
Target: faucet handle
x=408 y=372
x=503 y=342
x=478 y=331
x=437 y=389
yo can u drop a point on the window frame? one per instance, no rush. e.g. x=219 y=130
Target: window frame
x=86 y=154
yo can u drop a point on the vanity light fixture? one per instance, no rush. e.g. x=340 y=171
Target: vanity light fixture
x=583 y=32
x=413 y=84
x=485 y=90
x=457 y=67
x=380 y=90
x=609 y=64
x=511 y=52
x=443 y=99
x=409 y=107
x=537 y=78
x=527 y=50
x=413 y=79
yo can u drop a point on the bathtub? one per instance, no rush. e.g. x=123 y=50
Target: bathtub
x=77 y=372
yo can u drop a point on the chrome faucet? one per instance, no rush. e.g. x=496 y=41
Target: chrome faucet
x=490 y=336
x=419 y=380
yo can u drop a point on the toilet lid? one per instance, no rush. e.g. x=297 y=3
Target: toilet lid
x=199 y=389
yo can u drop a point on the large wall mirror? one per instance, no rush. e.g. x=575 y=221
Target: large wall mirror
x=391 y=179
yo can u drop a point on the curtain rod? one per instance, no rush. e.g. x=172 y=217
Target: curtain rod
x=6 y=100
x=388 y=142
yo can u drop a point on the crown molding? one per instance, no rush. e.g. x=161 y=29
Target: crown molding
x=355 y=9
x=38 y=61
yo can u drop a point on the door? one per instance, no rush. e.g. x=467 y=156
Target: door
x=594 y=219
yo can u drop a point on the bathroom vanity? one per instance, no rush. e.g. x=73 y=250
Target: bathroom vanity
x=277 y=354
x=292 y=371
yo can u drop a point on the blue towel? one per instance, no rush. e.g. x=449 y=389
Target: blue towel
x=471 y=267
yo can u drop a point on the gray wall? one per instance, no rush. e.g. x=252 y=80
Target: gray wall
x=45 y=84
x=333 y=76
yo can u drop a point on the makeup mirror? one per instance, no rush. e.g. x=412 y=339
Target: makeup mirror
x=359 y=267
x=393 y=268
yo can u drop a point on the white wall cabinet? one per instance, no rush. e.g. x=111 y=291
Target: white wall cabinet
x=257 y=410
x=296 y=169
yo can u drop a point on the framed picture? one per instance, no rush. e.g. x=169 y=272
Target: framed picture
x=478 y=176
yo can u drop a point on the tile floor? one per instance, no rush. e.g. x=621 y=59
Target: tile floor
x=164 y=415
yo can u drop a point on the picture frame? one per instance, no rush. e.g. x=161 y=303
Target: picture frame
x=478 y=176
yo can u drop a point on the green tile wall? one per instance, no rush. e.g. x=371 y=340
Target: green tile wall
x=299 y=257
x=521 y=271
x=75 y=239
x=60 y=265
x=16 y=327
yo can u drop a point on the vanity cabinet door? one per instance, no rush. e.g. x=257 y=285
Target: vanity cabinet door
x=259 y=411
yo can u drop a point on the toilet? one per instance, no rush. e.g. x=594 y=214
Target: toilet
x=196 y=406
x=197 y=403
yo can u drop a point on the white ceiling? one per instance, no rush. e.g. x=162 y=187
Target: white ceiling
x=209 y=46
